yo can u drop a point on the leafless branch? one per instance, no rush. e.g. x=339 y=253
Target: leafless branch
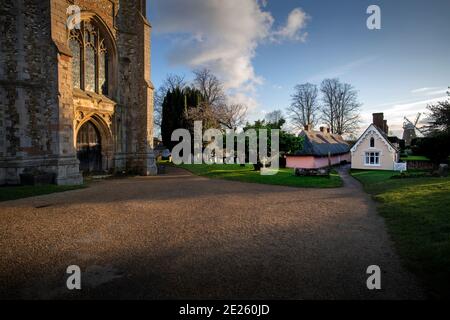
x=341 y=109
x=210 y=87
x=304 y=108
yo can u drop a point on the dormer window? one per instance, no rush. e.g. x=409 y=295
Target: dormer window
x=372 y=142
x=90 y=59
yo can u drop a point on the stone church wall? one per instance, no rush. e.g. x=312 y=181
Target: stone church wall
x=136 y=89
x=38 y=116
x=29 y=93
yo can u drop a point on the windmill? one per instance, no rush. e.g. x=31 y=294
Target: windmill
x=410 y=129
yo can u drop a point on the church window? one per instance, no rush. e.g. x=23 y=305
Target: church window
x=90 y=59
x=75 y=46
x=89 y=66
x=103 y=69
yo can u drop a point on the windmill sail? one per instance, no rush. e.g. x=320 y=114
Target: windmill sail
x=410 y=129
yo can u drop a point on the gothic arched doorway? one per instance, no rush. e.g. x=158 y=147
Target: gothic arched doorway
x=89 y=148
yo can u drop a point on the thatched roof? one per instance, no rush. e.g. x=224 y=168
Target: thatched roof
x=320 y=144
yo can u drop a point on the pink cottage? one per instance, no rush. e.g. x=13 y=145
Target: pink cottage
x=319 y=148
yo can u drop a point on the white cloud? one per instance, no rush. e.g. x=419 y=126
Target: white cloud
x=430 y=91
x=246 y=99
x=425 y=89
x=223 y=35
x=342 y=70
x=293 y=30
x=220 y=35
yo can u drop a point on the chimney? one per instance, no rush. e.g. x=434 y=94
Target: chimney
x=378 y=120
x=308 y=127
x=386 y=127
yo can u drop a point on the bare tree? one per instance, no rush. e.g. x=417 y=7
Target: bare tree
x=348 y=110
x=203 y=112
x=341 y=109
x=171 y=82
x=227 y=116
x=305 y=106
x=329 y=89
x=232 y=116
x=210 y=87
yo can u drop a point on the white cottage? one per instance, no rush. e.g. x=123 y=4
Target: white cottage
x=373 y=150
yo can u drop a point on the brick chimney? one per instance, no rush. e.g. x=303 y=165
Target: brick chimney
x=386 y=127
x=378 y=120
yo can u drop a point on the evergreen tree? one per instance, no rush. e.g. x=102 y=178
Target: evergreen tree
x=175 y=110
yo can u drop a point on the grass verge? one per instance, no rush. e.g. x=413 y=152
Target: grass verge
x=417 y=215
x=13 y=193
x=285 y=177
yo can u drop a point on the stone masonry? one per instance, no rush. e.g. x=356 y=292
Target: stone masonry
x=41 y=112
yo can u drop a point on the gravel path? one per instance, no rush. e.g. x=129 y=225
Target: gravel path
x=181 y=236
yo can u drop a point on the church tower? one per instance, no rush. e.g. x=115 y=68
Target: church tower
x=75 y=89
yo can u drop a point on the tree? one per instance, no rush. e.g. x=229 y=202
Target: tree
x=179 y=105
x=210 y=87
x=348 y=110
x=435 y=147
x=215 y=108
x=275 y=117
x=439 y=119
x=436 y=144
x=305 y=105
x=341 y=108
x=176 y=109
x=289 y=143
x=172 y=115
x=227 y=116
x=258 y=126
x=205 y=113
x=232 y=116
x=329 y=89
x=171 y=83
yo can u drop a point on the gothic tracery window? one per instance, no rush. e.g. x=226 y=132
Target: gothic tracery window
x=90 y=59
x=75 y=47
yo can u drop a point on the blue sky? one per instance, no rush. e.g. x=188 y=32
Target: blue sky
x=261 y=57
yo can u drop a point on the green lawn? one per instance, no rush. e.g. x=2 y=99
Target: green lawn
x=285 y=177
x=19 y=192
x=418 y=218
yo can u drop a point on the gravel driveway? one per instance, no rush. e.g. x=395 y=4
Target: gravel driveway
x=181 y=236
